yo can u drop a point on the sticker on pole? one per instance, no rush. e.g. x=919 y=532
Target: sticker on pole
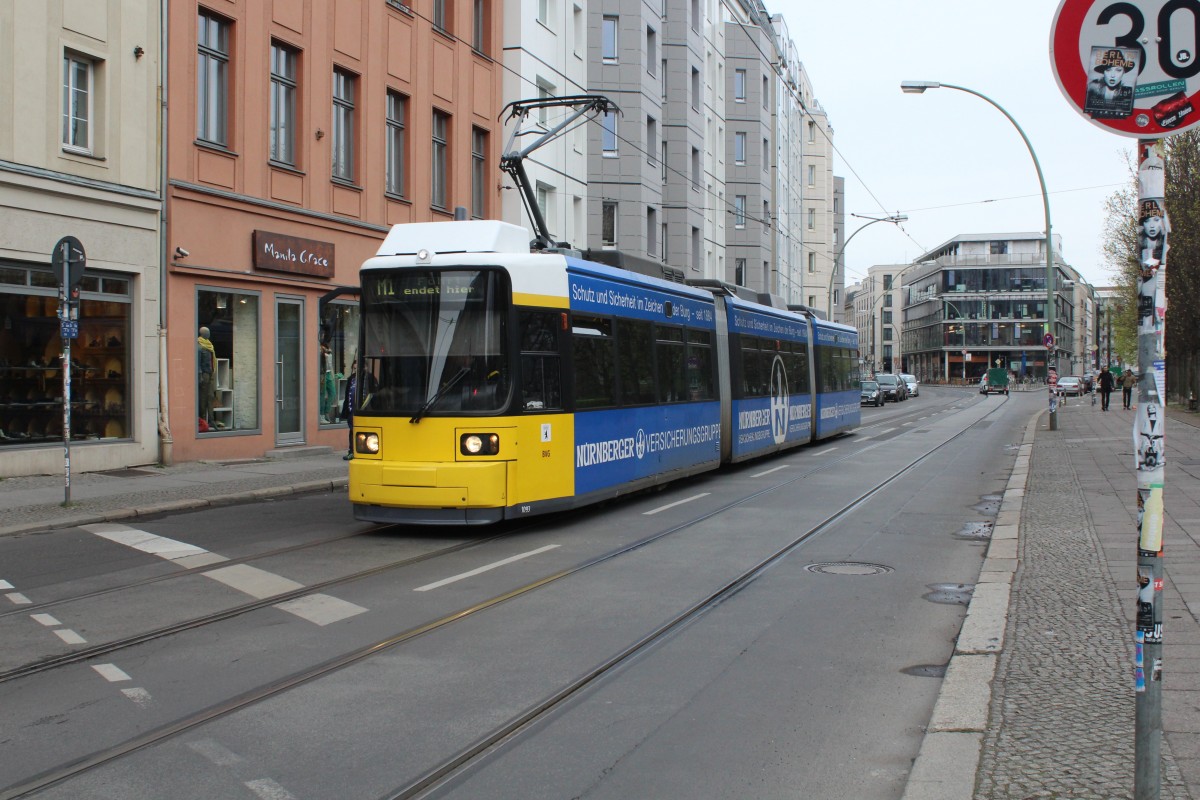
x=1131 y=67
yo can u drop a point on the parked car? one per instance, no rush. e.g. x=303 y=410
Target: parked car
x=1070 y=386
x=872 y=395
x=1089 y=381
x=983 y=384
x=911 y=383
x=893 y=387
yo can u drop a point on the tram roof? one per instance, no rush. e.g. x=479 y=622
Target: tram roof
x=474 y=236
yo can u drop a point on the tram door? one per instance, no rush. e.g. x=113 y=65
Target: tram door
x=289 y=360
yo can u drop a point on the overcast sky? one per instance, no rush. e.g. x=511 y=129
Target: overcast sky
x=947 y=159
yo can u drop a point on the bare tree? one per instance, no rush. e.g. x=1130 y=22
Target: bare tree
x=1182 y=154
x=1120 y=249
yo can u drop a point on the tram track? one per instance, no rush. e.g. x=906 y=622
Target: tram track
x=478 y=752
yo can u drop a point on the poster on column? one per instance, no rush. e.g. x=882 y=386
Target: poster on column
x=1129 y=66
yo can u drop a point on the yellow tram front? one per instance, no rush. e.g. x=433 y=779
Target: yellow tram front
x=442 y=435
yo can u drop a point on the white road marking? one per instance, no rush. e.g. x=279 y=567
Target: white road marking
x=146 y=542
x=44 y=619
x=825 y=450
x=216 y=752
x=69 y=636
x=5 y=585
x=111 y=672
x=769 y=471
x=679 y=502
x=907 y=423
x=18 y=599
x=257 y=583
x=139 y=696
x=485 y=568
x=321 y=609
x=886 y=430
x=268 y=789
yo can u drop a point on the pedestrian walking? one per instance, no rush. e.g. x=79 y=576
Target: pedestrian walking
x=1128 y=381
x=1106 y=387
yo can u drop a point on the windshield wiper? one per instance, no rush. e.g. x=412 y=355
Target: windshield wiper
x=458 y=376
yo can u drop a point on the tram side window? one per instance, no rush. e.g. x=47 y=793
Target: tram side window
x=796 y=364
x=593 y=358
x=669 y=347
x=541 y=367
x=635 y=346
x=700 y=366
x=754 y=377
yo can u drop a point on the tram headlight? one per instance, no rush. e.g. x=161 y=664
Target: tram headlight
x=366 y=442
x=479 y=444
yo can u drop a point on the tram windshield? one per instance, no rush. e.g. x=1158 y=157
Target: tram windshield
x=434 y=342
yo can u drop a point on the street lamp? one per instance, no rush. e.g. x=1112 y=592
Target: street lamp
x=962 y=321
x=919 y=87
x=895 y=219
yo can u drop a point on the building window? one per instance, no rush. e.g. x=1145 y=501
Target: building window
x=696 y=254
x=999 y=248
x=766 y=220
x=651 y=231
x=739 y=147
x=651 y=140
x=739 y=271
x=766 y=93
x=343 y=125
x=651 y=50
x=283 y=104
x=766 y=153
x=608 y=224
x=441 y=15
x=479 y=180
x=440 y=167
x=104 y=374
x=739 y=86
x=397 y=111
x=212 y=79
x=695 y=89
x=812 y=132
x=479 y=26
x=663 y=160
x=663 y=241
x=739 y=211
x=887 y=283
x=341 y=321
x=812 y=219
x=543 y=15
x=227 y=395
x=577 y=18
x=78 y=74
x=696 y=169
x=608 y=39
x=812 y=175
x=695 y=15
x=608 y=134
x=812 y=263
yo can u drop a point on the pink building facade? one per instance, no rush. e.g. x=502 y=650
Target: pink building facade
x=298 y=132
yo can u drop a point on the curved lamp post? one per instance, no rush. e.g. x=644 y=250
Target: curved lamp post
x=918 y=87
x=895 y=219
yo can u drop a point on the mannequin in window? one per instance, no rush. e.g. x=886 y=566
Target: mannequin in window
x=206 y=363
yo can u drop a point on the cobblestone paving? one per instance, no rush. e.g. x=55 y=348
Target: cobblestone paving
x=1061 y=723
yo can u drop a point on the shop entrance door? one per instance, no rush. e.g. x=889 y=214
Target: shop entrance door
x=289 y=361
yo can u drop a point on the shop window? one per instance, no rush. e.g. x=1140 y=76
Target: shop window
x=31 y=350
x=227 y=361
x=339 y=347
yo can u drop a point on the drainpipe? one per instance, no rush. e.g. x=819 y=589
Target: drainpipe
x=165 y=441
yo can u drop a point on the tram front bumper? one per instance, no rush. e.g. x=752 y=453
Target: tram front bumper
x=424 y=485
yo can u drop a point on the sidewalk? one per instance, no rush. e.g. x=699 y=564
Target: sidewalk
x=1038 y=699
x=36 y=502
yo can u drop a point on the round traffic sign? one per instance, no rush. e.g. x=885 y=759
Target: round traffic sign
x=1048 y=340
x=1131 y=67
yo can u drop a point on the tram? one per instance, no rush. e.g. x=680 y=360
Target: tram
x=496 y=382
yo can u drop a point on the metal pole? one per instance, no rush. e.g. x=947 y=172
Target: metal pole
x=1150 y=434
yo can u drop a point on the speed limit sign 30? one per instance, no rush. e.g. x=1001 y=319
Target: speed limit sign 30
x=1131 y=67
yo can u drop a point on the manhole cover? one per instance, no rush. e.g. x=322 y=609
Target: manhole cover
x=848 y=568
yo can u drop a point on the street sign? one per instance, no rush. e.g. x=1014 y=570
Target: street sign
x=1131 y=67
x=69 y=328
x=1048 y=340
x=68 y=261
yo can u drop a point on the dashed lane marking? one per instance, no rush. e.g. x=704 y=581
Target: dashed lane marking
x=69 y=636
x=769 y=471
x=321 y=609
x=257 y=583
x=111 y=673
x=44 y=619
x=19 y=599
x=483 y=569
x=151 y=543
x=267 y=789
x=139 y=696
x=5 y=585
x=677 y=503
x=216 y=752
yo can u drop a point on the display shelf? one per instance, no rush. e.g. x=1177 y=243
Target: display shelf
x=223 y=402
